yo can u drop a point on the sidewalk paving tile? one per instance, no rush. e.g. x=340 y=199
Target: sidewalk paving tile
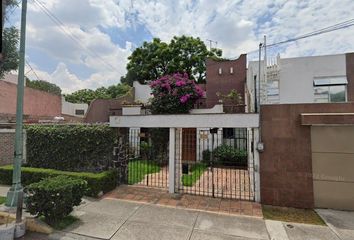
x=96 y=225
x=135 y=230
x=232 y=225
x=199 y=235
x=165 y=216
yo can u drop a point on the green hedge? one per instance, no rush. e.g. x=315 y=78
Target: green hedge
x=96 y=182
x=70 y=147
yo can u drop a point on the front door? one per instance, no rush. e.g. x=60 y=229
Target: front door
x=189 y=142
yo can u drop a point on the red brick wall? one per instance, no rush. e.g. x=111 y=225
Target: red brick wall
x=7 y=140
x=350 y=75
x=36 y=103
x=225 y=82
x=286 y=163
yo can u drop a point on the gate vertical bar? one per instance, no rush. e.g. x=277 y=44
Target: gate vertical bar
x=171 y=164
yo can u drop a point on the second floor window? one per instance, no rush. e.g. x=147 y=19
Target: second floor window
x=330 y=89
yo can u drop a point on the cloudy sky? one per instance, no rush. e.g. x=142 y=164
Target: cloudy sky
x=91 y=47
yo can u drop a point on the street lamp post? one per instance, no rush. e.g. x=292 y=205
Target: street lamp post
x=15 y=194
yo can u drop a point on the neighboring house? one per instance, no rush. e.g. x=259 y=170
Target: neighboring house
x=38 y=105
x=307 y=120
x=100 y=109
x=314 y=79
x=11 y=78
x=73 y=109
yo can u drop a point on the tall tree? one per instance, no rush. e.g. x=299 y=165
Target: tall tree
x=10 y=40
x=155 y=59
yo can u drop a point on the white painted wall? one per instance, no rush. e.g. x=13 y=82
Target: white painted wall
x=297 y=74
x=142 y=92
x=69 y=108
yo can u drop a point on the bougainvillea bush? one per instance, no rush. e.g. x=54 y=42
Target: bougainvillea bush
x=174 y=94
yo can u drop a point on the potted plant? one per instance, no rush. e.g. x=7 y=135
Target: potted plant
x=232 y=101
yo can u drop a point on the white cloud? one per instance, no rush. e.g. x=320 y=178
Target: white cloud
x=78 y=42
x=237 y=26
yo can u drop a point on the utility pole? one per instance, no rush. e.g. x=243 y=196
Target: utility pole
x=210 y=43
x=15 y=194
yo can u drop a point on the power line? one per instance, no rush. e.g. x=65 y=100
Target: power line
x=331 y=28
x=68 y=33
x=29 y=65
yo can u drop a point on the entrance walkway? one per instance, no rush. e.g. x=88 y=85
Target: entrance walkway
x=201 y=203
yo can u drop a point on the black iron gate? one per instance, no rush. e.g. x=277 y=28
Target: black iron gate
x=215 y=162
x=146 y=157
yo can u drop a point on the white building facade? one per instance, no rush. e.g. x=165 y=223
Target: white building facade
x=315 y=79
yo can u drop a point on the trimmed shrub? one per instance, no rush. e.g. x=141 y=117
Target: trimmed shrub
x=70 y=147
x=229 y=156
x=54 y=198
x=96 y=182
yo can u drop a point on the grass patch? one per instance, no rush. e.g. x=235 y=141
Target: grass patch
x=2 y=200
x=137 y=170
x=194 y=174
x=66 y=222
x=297 y=215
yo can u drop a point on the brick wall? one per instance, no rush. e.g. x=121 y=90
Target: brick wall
x=286 y=163
x=225 y=81
x=36 y=103
x=7 y=140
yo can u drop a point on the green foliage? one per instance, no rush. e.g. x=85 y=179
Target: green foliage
x=54 y=198
x=10 y=52
x=2 y=200
x=44 y=86
x=88 y=95
x=137 y=170
x=145 y=150
x=233 y=97
x=155 y=59
x=96 y=182
x=194 y=174
x=206 y=157
x=70 y=147
x=228 y=155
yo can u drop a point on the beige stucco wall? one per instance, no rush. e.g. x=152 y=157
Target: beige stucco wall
x=333 y=166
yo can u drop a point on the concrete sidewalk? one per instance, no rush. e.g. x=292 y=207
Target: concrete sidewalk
x=118 y=219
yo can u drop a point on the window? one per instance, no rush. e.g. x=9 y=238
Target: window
x=330 y=89
x=79 y=112
x=220 y=71
x=231 y=70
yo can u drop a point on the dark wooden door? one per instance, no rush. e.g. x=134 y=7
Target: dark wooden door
x=189 y=144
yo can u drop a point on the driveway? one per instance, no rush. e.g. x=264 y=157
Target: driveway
x=340 y=222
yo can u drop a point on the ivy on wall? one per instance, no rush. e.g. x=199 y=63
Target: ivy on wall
x=70 y=147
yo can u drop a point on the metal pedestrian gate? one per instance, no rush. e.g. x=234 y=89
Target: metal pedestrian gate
x=146 y=157
x=215 y=162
